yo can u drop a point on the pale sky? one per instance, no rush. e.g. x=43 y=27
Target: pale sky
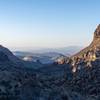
x=31 y=24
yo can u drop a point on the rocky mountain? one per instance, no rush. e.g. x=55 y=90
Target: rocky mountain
x=8 y=58
x=94 y=46
x=85 y=66
x=85 y=71
x=90 y=53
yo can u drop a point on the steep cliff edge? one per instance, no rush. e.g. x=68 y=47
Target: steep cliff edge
x=94 y=46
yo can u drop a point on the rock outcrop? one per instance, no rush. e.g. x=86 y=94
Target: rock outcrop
x=94 y=46
x=97 y=32
x=89 y=54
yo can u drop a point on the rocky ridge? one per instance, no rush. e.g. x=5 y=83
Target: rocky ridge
x=88 y=55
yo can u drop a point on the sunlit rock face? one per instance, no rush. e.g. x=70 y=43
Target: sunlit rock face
x=96 y=40
x=88 y=55
x=94 y=47
x=97 y=32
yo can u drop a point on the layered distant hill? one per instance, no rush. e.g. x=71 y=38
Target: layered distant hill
x=47 y=56
x=44 y=58
x=69 y=50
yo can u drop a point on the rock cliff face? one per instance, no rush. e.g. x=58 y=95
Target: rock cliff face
x=85 y=66
x=90 y=53
x=95 y=45
x=97 y=32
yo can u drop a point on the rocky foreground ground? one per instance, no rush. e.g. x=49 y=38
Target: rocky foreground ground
x=50 y=83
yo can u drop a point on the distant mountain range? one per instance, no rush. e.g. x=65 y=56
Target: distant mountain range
x=47 y=56
x=44 y=58
x=70 y=50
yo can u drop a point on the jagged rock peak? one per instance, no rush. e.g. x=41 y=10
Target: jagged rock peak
x=97 y=32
